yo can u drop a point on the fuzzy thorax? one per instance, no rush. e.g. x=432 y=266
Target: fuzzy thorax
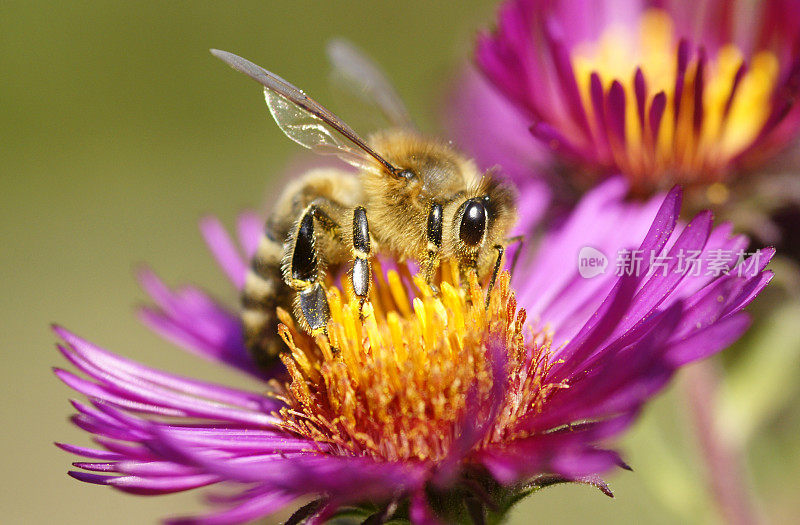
x=402 y=381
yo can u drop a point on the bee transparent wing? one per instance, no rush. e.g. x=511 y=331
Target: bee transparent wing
x=303 y=119
x=366 y=80
x=310 y=131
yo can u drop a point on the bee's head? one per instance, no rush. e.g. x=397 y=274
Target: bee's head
x=484 y=218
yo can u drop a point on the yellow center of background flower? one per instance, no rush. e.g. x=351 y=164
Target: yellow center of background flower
x=682 y=149
x=398 y=383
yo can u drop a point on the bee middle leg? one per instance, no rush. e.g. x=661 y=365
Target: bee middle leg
x=361 y=273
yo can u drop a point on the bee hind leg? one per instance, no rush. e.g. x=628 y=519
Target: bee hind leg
x=303 y=269
x=313 y=305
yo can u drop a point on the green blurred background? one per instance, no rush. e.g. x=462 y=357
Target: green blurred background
x=119 y=130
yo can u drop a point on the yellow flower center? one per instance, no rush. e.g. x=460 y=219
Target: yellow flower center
x=401 y=382
x=688 y=148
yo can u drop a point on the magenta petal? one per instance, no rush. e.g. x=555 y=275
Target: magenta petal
x=89 y=452
x=699 y=85
x=153 y=469
x=640 y=90
x=126 y=369
x=656 y=289
x=682 y=62
x=129 y=451
x=615 y=112
x=221 y=245
x=420 y=512
x=230 y=350
x=708 y=341
x=537 y=456
x=152 y=399
x=613 y=308
x=749 y=292
x=90 y=389
x=599 y=107
x=110 y=432
x=88 y=477
x=566 y=77
x=657 y=108
x=95 y=467
x=251 y=509
x=249 y=229
x=191 y=319
x=160 y=485
x=346 y=479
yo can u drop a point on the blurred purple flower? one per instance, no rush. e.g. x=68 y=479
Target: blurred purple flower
x=423 y=397
x=664 y=92
x=485 y=123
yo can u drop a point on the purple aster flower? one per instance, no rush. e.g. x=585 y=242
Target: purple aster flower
x=664 y=92
x=428 y=399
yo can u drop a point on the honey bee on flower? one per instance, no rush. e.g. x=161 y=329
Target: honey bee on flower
x=420 y=377
x=418 y=399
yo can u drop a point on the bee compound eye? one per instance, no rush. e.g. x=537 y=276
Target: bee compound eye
x=473 y=222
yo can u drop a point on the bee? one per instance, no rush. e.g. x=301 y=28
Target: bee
x=411 y=197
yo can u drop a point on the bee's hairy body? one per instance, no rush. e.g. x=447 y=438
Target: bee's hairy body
x=265 y=288
x=411 y=198
x=397 y=209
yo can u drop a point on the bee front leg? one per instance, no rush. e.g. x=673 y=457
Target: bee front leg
x=361 y=274
x=520 y=240
x=498 y=263
x=434 y=237
x=303 y=270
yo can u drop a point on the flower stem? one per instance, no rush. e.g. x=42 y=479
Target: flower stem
x=722 y=458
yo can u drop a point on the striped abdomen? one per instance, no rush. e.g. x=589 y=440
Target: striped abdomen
x=264 y=291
